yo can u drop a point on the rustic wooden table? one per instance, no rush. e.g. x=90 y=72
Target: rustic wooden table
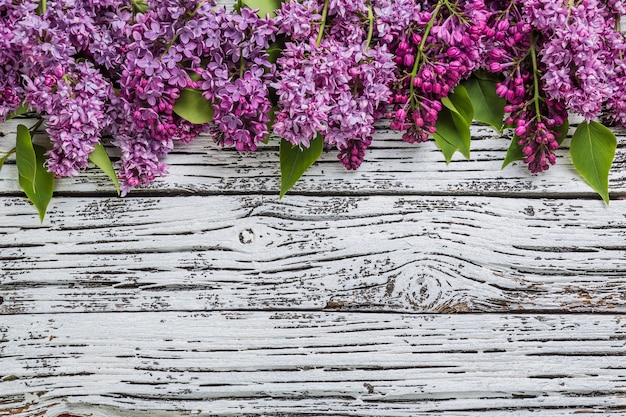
x=406 y=288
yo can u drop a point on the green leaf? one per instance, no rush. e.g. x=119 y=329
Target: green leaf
x=488 y=106
x=23 y=109
x=488 y=76
x=193 y=107
x=5 y=156
x=593 y=149
x=139 y=6
x=276 y=48
x=514 y=153
x=446 y=147
x=454 y=130
x=295 y=161
x=34 y=179
x=265 y=6
x=41 y=8
x=459 y=102
x=100 y=158
x=453 y=124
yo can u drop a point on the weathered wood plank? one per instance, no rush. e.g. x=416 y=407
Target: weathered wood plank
x=392 y=253
x=391 y=166
x=308 y=364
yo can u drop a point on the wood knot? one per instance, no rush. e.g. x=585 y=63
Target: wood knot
x=246 y=236
x=1 y=300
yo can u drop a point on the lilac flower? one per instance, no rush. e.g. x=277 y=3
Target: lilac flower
x=435 y=46
x=514 y=52
x=333 y=84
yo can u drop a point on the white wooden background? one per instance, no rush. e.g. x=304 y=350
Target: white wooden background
x=406 y=288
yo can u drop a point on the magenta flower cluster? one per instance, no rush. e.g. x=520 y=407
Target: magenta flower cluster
x=436 y=45
x=115 y=71
x=558 y=58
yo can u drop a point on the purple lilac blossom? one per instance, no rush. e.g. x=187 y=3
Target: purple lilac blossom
x=69 y=93
x=333 y=84
x=436 y=45
x=535 y=119
x=238 y=76
x=577 y=54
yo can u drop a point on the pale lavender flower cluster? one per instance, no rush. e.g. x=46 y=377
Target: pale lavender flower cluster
x=436 y=45
x=333 y=77
x=579 y=52
x=75 y=105
x=69 y=92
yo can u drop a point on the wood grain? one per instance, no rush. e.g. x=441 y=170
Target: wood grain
x=307 y=364
x=372 y=253
x=391 y=166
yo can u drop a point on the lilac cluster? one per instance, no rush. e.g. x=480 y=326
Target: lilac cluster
x=43 y=71
x=580 y=52
x=117 y=68
x=150 y=78
x=332 y=79
x=238 y=76
x=557 y=57
x=436 y=45
x=183 y=44
x=513 y=53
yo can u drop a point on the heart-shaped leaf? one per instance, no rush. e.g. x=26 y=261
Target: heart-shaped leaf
x=34 y=179
x=294 y=161
x=593 y=149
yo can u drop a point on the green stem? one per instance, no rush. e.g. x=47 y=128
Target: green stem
x=323 y=25
x=618 y=29
x=533 y=55
x=241 y=60
x=370 y=18
x=36 y=126
x=418 y=56
x=43 y=6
